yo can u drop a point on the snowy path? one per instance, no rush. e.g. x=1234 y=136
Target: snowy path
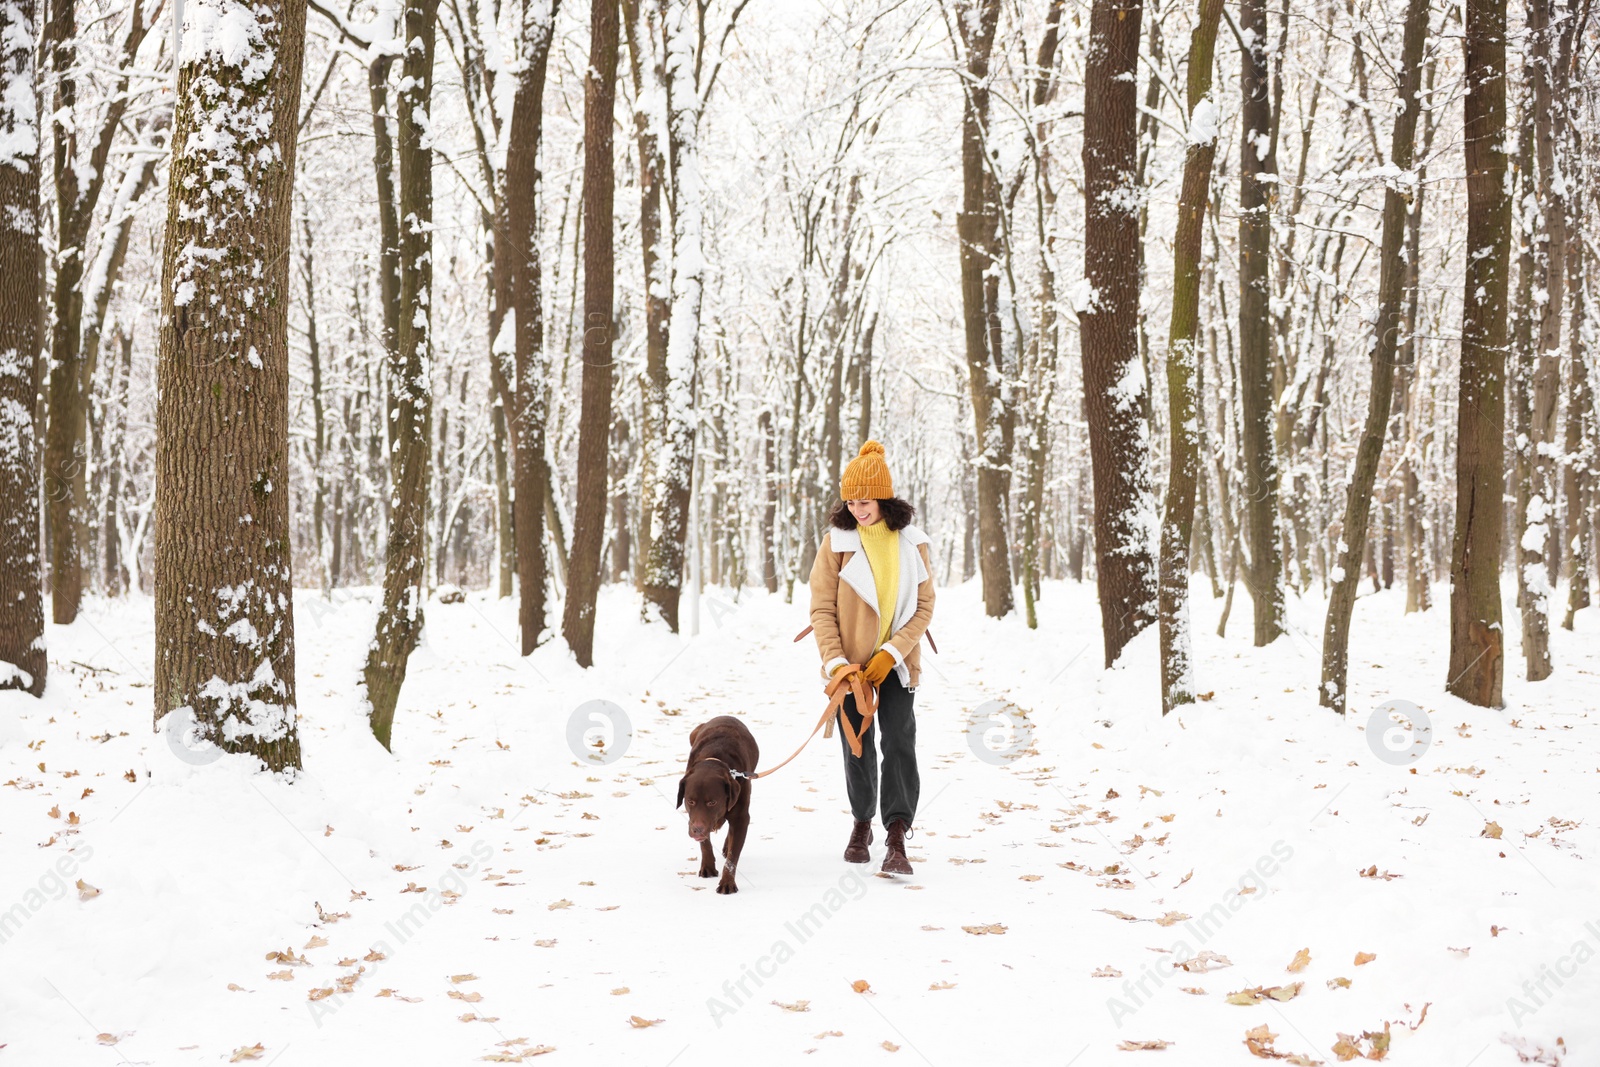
x=553 y=900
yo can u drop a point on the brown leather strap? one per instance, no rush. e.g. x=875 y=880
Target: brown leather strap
x=845 y=683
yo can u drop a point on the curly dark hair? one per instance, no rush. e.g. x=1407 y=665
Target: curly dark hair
x=896 y=512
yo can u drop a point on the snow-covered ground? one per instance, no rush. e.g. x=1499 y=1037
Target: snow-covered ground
x=486 y=894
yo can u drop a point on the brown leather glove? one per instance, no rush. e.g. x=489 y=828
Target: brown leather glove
x=878 y=667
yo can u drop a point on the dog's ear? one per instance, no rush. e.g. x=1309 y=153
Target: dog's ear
x=682 y=782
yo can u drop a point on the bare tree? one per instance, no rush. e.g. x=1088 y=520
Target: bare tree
x=410 y=401
x=588 y=527
x=1108 y=329
x=224 y=614
x=23 y=663
x=989 y=371
x=1177 y=521
x=78 y=184
x=1258 y=165
x=1477 y=646
x=1389 y=324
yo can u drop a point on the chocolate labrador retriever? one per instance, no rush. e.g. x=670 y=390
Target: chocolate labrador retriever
x=722 y=756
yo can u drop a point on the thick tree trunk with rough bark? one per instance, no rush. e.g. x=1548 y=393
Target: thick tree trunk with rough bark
x=1108 y=327
x=23 y=662
x=1333 y=692
x=223 y=605
x=594 y=430
x=1477 y=639
x=410 y=401
x=1177 y=521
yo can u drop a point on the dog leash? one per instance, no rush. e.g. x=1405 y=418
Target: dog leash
x=845 y=683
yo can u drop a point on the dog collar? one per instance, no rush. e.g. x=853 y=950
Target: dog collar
x=731 y=770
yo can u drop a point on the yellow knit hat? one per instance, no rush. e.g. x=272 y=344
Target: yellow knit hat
x=867 y=476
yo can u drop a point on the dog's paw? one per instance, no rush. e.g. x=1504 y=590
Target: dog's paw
x=727 y=887
x=709 y=872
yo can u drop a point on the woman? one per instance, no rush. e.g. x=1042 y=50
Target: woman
x=871 y=601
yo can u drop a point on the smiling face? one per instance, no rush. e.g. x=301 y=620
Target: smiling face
x=866 y=512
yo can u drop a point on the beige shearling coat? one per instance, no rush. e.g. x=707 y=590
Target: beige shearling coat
x=844 y=603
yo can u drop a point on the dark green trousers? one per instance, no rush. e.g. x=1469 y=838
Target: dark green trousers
x=899 y=784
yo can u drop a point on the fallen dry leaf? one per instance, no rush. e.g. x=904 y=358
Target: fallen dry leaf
x=1365 y=957
x=639 y=1024
x=470 y=998
x=799 y=1005
x=459 y=978
x=86 y=891
x=247 y=1052
x=942 y=985
x=860 y=985
x=1155 y=1045
x=1491 y=829
x=989 y=928
x=891 y=1046
x=1206 y=961
x=1301 y=960
x=1257 y=994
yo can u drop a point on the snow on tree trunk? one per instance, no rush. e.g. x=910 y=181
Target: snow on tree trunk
x=1108 y=315
x=594 y=432
x=1477 y=642
x=223 y=607
x=530 y=475
x=1177 y=523
x=1258 y=160
x=23 y=662
x=675 y=454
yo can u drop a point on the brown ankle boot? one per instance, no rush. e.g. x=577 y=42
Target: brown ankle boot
x=894 y=856
x=860 y=838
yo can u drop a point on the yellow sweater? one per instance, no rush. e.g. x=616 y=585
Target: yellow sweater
x=882 y=546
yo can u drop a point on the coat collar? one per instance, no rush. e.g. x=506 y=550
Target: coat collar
x=857 y=571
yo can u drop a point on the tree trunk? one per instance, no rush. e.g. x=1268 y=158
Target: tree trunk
x=23 y=661
x=641 y=25
x=1390 y=322
x=530 y=475
x=1258 y=157
x=594 y=429
x=1113 y=377
x=223 y=607
x=410 y=403
x=1177 y=663
x=979 y=231
x=1477 y=657
x=1538 y=545
x=1578 y=476
x=674 y=473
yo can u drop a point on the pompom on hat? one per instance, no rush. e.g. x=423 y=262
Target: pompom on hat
x=867 y=476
